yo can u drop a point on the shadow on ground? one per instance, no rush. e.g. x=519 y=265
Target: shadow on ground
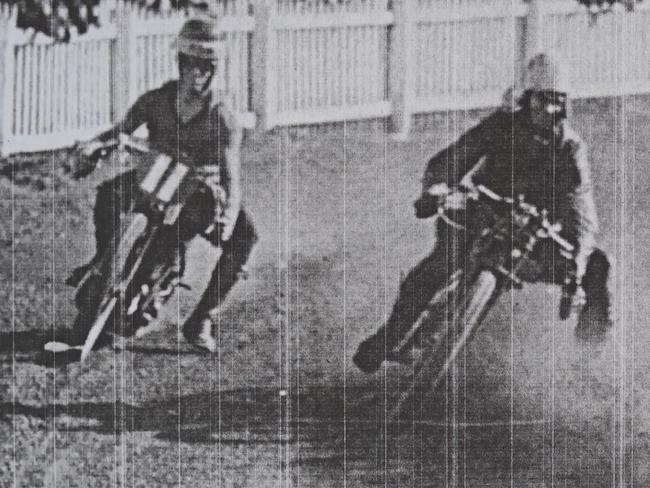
x=320 y=429
x=252 y=415
x=27 y=347
x=22 y=343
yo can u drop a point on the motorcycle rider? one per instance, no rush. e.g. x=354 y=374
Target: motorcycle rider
x=188 y=116
x=530 y=150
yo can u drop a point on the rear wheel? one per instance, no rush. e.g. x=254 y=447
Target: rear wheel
x=445 y=341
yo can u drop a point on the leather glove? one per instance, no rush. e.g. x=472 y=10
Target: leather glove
x=220 y=229
x=430 y=200
x=226 y=227
x=426 y=206
x=85 y=158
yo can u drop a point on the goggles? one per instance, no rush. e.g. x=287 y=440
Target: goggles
x=203 y=65
x=554 y=102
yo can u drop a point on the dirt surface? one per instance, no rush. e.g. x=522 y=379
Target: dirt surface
x=537 y=407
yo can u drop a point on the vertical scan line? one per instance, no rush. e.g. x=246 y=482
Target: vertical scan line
x=624 y=256
x=287 y=316
x=619 y=440
x=14 y=385
x=618 y=246
x=345 y=403
x=283 y=289
x=633 y=305
x=298 y=308
x=384 y=189
x=513 y=84
x=53 y=306
x=179 y=413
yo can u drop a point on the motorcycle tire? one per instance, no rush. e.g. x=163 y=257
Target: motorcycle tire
x=118 y=275
x=437 y=358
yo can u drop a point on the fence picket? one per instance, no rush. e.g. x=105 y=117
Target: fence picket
x=314 y=61
x=20 y=92
x=74 y=87
x=41 y=112
x=30 y=110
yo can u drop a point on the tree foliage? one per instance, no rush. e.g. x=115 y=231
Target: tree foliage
x=59 y=18
x=603 y=6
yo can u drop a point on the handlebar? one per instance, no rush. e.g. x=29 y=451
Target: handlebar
x=546 y=230
x=122 y=142
x=84 y=165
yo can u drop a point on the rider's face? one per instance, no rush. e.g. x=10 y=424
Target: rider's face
x=196 y=73
x=547 y=108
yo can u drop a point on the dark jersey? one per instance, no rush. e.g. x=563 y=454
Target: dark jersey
x=551 y=173
x=204 y=138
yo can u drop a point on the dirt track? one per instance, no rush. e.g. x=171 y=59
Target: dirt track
x=337 y=231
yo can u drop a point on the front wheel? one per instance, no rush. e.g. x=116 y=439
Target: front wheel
x=121 y=270
x=462 y=323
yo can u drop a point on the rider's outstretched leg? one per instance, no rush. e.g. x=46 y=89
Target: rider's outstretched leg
x=114 y=197
x=419 y=286
x=416 y=290
x=230 y=268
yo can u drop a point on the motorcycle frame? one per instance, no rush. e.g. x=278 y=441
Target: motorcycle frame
x=465 y=312
x=155 y=208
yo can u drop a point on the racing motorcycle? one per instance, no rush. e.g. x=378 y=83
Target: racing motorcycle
x=501 y=257
x=123 y=291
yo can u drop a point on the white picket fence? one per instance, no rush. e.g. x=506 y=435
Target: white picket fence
x=467 y=55
x=296 y=62
x=322 y=62
x=55 y=94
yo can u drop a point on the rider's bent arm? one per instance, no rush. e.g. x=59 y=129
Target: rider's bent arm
x=452 y=163
x=136 y=116
x=583 y=206
x=231 y=173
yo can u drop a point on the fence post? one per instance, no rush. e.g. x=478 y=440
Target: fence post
x=7 y=61
x=125 y=72
x=532 y=41
x=263 y=67
x=401 y=67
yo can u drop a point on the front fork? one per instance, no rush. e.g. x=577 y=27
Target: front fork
x=573 y=298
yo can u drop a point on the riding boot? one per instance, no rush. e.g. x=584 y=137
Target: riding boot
x=198 y=328
x=230 y=268
x=595 y=320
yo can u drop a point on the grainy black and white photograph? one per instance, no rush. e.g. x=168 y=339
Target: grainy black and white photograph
x=324 y=243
